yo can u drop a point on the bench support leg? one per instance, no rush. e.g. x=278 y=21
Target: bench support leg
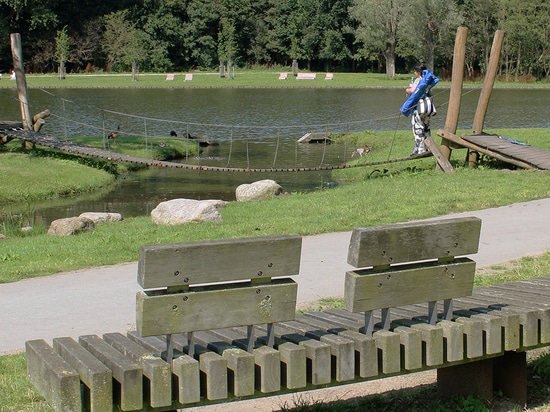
x=507 y=373
x=510 y=375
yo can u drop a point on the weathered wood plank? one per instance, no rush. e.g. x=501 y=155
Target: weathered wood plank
x=293 y=365
x=218 y=307
x=473 y=333
x=411 y=347
x=408 y=284
x=184 y=367
x=292 y=371
x=154 y=368
x=318 y=354
x=94 y=374
x=342 y=349
x=268 y=361
x=432 y=336
x=239 y=362
x=125 y=372
x=408 y=242
x=188 y=373
x=54 y=378
x=219 y=261
x=213 y=369
x=388 y=343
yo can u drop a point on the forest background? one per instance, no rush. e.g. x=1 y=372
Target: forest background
x=320 y=35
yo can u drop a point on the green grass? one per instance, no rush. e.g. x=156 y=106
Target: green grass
x=243 y=78
x=29 y=178
x=371 y=196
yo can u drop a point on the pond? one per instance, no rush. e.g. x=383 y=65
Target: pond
x=254 y=128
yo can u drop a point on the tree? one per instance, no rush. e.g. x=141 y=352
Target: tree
x=122 y=42
x=62 y=50
x=526 y=49
x=377 y=29
x=481 y=18
x=427 y=28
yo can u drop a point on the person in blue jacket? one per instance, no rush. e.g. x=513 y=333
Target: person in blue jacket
x=418 y=90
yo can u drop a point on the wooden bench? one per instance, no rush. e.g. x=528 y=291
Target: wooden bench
x=216 y=322
x=306 y=76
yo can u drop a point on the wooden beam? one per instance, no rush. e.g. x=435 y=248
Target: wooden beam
x=488 y=83
x=455 y=98
x=442 y=160
x=19 y=69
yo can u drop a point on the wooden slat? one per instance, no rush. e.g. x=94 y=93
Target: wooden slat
x=125 y=372
x=408 y=242
x=227 y=260
x=154 y=368
x=342 y=349
x=292 y=370
x=54 y=378
x=212 y=366
x=368 y=290
x=218 y=307
x=93 y=373
x=239 y=362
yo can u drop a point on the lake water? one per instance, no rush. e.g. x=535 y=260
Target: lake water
x=255 y=128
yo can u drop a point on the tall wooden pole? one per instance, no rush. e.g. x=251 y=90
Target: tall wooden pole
x=18 y=68
x=488 y=83
x=486 y=91
x=457 y=81
x=455 y=97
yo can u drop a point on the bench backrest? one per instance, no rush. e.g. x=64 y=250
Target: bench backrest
x=411 y=263
x=206 y=285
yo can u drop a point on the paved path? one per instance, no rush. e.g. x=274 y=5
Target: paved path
x=101 y=300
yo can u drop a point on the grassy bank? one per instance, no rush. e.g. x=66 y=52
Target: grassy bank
x=243 y=78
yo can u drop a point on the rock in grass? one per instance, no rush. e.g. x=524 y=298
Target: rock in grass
x=99 y=217
x=181 y=211
x=71 y=226
x=260 y=190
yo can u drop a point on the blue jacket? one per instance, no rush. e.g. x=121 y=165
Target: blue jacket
x=427 y=81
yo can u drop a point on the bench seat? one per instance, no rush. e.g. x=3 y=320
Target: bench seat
x=216 y=322
x=502 y=326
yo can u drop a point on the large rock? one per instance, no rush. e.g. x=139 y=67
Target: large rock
x=71 y=226
x=260 y=190
x=180 y=211
x=99 y=217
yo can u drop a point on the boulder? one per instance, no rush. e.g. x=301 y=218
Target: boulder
x=260 y=190
x=71 y=226
x=99 y=217
x=180 y=211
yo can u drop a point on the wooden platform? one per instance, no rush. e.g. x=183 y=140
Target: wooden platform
x=504 y=149
x=538 y=158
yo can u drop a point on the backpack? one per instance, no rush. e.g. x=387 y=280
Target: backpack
x=426 y=106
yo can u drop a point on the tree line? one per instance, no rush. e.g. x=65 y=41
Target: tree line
x=324 y=35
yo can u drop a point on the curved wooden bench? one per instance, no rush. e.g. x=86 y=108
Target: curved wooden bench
x=216 y=322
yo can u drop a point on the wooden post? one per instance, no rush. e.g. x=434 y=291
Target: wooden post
x=487 y=89
x=455 y=97
x=18 y=67
x=488 y=83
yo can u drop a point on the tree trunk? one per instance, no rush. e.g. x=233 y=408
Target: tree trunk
x=390 y=62
x=62 y=71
